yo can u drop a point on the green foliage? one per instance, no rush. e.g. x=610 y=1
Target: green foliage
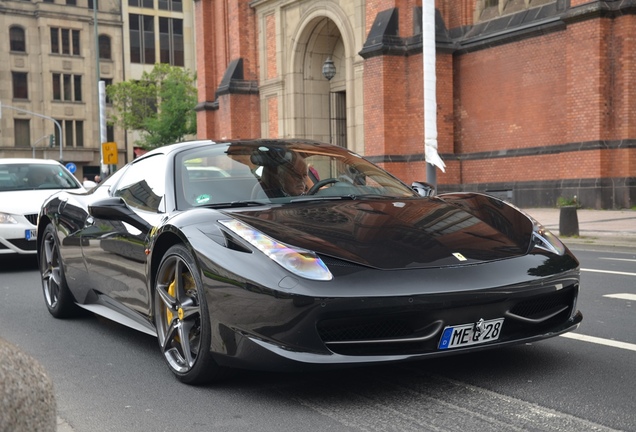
x=160 y=105
x=567 y=202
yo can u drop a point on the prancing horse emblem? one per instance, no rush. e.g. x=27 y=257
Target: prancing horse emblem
x=478 y=327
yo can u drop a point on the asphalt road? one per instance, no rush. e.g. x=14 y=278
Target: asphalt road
x=110 y=378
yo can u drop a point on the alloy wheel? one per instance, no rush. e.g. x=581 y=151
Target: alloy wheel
x=178 y=314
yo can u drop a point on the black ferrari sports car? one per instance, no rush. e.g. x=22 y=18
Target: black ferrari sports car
x=287 y=254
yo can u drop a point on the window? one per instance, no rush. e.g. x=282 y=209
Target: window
x=104 y=47
x=71 y=2
x=143 y=185
x=142 y=39
x=90 y=4
x=107 y=82
x=142 y=3
x=338 y=120
x=73 y=132
x=55 y=40
x=17 y=39
x=173 y=5
x=20 y=85
x=110 y=133
x=65 y=41
x=67 y=87
x=171 y=41
x=22 y=134
x=79 y=133
x=68 y=133
x=77 y=88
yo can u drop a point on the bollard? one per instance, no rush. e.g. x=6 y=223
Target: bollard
x=568 y=221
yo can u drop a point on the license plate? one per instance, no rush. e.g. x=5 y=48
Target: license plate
x=471 y=334
x=31 y=234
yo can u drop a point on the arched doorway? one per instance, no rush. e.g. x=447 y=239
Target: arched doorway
x=319 y=107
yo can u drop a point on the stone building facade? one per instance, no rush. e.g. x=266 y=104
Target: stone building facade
x=52 y=57
x=534 y=97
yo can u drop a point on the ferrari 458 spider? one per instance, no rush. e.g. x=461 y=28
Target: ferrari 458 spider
x=282 y=254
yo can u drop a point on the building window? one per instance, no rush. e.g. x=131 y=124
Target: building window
x=77 y=88
x=142 y=39
x=71 y=2
x=173 y=5
x=150 y=4
x=20 y=85
x=110 y=133
x=90 y=4
x=22 y=136
x=67 y=87
x=17 y=39
x=107 y=82
x=65 y=41
x=73 y=133
x=104 y=47
x=79 y=133
x=171 y=41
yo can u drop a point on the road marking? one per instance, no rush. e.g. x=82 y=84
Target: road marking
x=618 y=259
x=622 y=296
x=411 y=400
x=600 y=341
x=609 y=272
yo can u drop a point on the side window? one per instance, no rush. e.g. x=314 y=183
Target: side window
x=143 y=184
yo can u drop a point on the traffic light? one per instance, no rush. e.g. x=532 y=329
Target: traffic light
x=51 y=140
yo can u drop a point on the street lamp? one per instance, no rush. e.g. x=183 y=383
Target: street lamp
x=328 y=69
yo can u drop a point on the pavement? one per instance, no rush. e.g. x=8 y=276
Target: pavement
x=611 y=228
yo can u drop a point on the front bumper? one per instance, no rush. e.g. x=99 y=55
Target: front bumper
x=13 y=239
x=366 y=330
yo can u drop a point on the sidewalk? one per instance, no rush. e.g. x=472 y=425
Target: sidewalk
x=598 y=227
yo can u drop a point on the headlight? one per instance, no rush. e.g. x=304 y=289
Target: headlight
x=301 y=262
x=541 y=237
x=6 y=218
x=545 y=240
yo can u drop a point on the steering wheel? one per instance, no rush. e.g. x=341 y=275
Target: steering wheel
x=320 y=184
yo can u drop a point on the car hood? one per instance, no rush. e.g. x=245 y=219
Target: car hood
x=24 y=201
x=399 y=233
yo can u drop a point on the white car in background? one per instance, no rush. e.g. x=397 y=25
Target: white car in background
x=24 y=185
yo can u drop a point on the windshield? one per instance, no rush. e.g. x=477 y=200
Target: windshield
x=35 y=176
x=261 y=172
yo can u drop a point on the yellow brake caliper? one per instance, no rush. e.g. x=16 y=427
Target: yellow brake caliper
x=171 y=292
x=189 y=283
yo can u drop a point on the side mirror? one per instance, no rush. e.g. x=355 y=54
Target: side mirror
x=116 y=209
x=423 y=189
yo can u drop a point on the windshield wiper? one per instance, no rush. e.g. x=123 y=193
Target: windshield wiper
x=241 y=203
x=305 y=198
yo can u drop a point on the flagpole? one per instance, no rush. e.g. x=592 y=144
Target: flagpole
x=430 y=97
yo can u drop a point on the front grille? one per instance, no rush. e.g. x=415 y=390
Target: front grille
x=345 y=330
x=538 y=307
x=32 y=218
x=24 y=244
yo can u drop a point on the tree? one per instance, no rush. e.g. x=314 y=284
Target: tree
x=160 y=105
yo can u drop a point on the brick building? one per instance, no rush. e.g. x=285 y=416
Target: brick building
x=535 y=97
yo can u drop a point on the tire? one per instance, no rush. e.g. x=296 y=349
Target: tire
x=182 y=319
x=57 y=297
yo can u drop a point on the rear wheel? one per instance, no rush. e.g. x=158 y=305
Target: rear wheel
x=59 y=300
x=182 y=319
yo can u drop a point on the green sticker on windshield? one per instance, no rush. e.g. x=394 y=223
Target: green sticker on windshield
x=202 y=199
